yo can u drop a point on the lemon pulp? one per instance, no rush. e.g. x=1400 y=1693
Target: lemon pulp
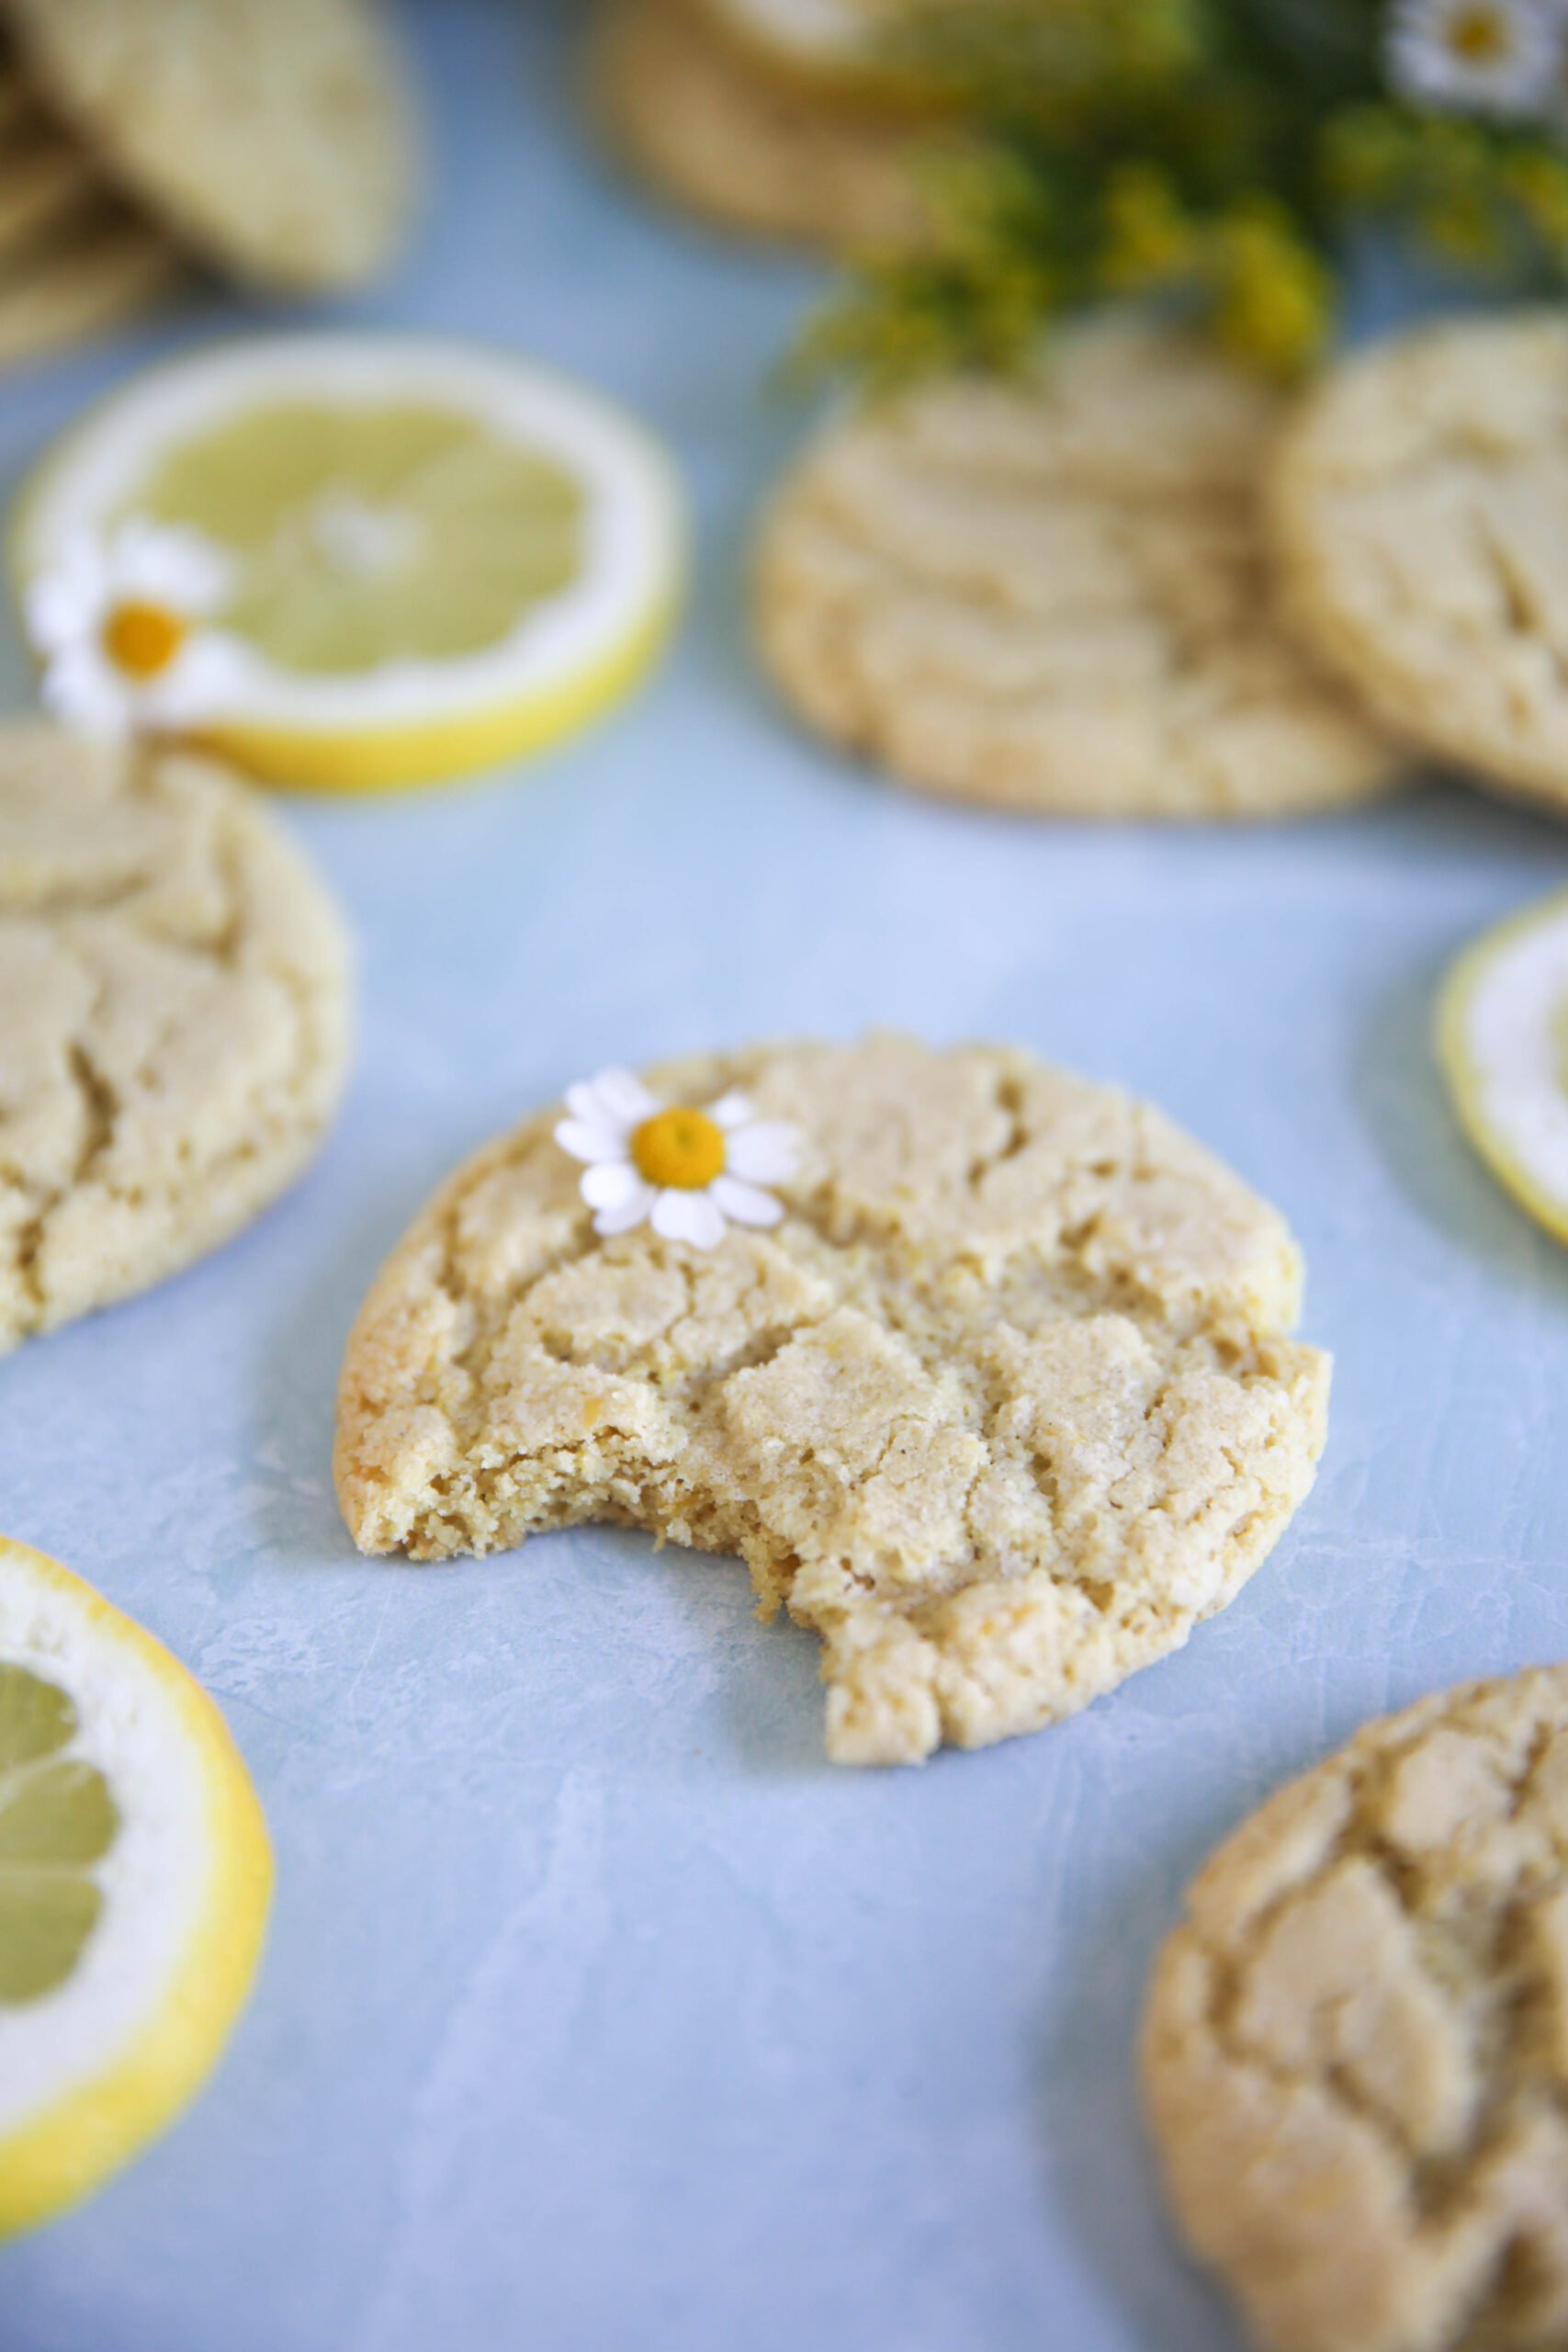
x=135 y=1875
x=438 y=556
x=1502 y=1037
x=57 y=1819
x=372 y=534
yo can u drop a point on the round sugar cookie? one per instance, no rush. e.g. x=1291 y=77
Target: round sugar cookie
x=749 y=147
x=272 y=135
x=173 y=1018
x=1000 y=1407
x=1420 y=513
x=1356 y=2050
x=1055 y=596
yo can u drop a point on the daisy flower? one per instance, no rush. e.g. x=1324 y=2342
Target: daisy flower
x=115 y=624
x=1501 y=57
x=686 y=1171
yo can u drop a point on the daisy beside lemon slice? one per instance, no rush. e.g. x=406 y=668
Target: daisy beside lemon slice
x=1502 y=1042
x=135 y=1876
x=349 y=561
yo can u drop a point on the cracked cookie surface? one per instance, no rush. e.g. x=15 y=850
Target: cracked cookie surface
x=747 y=146
x=1356 y=2051
x=272 y=135
x=1056 y=596
x=173 y=1019
x=1001 y=1410
x=1420 y=513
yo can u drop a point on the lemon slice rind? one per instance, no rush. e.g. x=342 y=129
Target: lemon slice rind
x=95 y=2069
x=405 y=721
x=1500 y=1040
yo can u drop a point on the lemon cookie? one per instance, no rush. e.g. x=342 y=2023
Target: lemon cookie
x=1420 y=511
x=982 y=1369
x=1355 y=2053
x=272 y=135
x=751 y=147
x=1056 y=596
x=172 y=1019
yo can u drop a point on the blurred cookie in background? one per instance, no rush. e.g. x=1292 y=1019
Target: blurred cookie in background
x=750 y=138
x=105 y=269
x=271 y=138
x=1054 y=594
x=74 y=260
x=1420 y=514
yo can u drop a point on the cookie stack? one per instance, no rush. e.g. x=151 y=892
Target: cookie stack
x=74 y=258
x=787 y=143
x=267 y=138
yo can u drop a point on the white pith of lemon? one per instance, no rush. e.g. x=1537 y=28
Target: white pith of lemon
x=135 y=1876
x=1502 y=1042
x=441 y=557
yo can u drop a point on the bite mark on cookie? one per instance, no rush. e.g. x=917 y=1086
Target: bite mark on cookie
x=1001 y=1410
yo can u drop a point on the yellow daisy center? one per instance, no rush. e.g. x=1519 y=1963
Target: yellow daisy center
x=1482 y=35
x=680 y=1149
x=144 y=639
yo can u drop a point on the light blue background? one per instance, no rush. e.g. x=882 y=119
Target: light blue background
x=598 y=2012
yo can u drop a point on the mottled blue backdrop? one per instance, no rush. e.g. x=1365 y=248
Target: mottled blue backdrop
x=598 y=2012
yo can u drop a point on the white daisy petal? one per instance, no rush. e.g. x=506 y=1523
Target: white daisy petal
x=196 y=684
x=766 y=1152
x=582 y=1101
x=611 y=1184
x=745 y=1204
x=86 y=693
x=1435 y=58
x=731 y=1110
x=85 y=564
x=587 y=1139
x=688 y=1217
x=58 y=609
x=169 y=566
x=622 y=1099
x=613 y=1098
x=630 y=1213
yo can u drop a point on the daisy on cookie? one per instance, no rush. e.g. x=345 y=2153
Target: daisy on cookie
x=687 y=1172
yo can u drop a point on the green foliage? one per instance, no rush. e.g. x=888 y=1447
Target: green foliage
x=1212 y=153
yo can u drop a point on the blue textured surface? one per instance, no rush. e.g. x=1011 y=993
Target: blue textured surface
x=598 y=2012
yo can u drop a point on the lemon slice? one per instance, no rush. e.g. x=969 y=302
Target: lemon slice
x=134 y=1881
x=1502 y=1042
x=436 y=558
